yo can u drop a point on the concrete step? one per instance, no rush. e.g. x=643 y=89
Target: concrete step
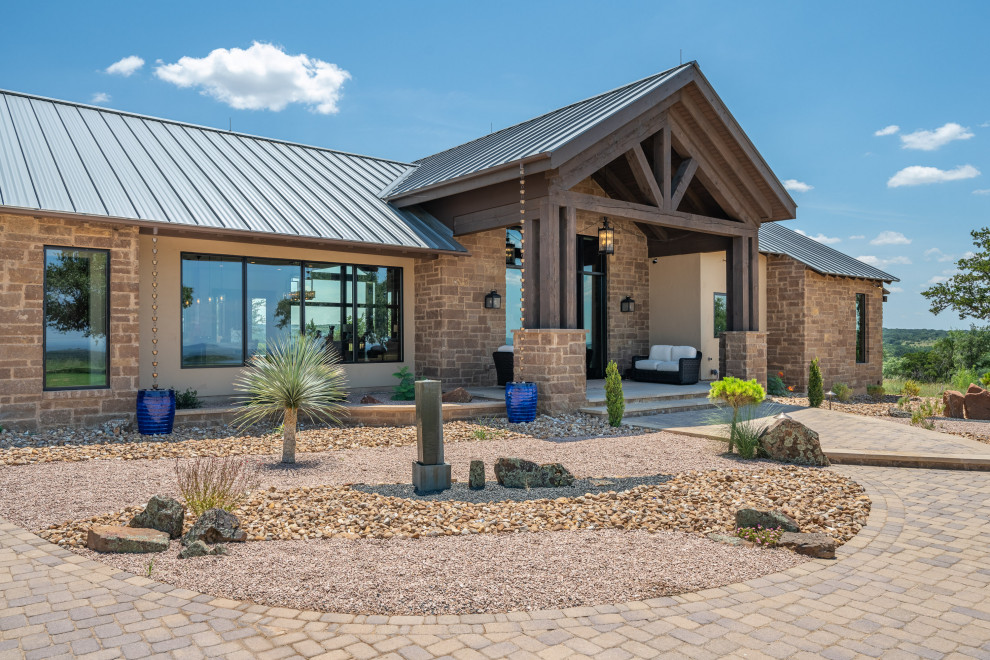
x=655 y=406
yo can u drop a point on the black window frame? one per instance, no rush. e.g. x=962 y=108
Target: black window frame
x=44 y=318
x=302 y=263
x=862 y=351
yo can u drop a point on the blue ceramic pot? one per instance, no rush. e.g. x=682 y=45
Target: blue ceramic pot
x=520 y=402
x=155 y=411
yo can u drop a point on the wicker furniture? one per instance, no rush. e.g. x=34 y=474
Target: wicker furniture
x=667 y=364
x=503 y=358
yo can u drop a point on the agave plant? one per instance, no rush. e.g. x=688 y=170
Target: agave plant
x=296 y=375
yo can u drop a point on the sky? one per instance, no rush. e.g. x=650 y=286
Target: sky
x=876 y=115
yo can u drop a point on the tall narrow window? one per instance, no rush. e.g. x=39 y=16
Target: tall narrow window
x=377 y=304
x=719 y=314
x=212 y=311
x=274 y=298
x=861 y=327
x=513 y=281
x=76 y=310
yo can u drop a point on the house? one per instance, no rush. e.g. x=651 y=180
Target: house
x=139 y=251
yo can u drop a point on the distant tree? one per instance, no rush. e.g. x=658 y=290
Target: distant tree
x=68 y=294
x=968 y=291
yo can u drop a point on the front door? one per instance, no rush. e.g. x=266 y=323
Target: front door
x=592 y=292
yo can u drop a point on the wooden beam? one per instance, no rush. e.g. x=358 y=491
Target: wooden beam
x=690 y=245
x=740 y=284
x=681 y=181
x=470 y=182
x=644 y=175
x=652 y=231
x=753 y=243
x=568 y=267
x=643 y=213
x=613 y=181
x=665 y=147
x=531 y=271
x=493 y=218
x=549 y=286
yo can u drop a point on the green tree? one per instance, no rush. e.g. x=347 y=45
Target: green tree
x=968 y=291
x=816 y=388
x=738 y=394
x=614 y=401
x=69 y=286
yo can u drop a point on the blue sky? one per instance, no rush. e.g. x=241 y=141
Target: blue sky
x=811 y=83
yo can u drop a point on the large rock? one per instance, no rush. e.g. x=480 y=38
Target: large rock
x=162 y=513
x=110 y=538
x=215 y=526
x=791 y=441
x=954 y=403
x=459 y=395
x=977 y=403
x=520 y=473
x=766 y=519
x=811 y=544
x=367 y=398
x=200 y=549
x=476 y=477
x=897 y=411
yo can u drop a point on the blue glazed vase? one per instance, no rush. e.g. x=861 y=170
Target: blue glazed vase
x=520 y=402
x=155 y=411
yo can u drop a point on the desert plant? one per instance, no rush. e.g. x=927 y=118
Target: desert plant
x=188 y=399
x=816 y=387
x=962 y=379
x=737 y=394
x=904 y=402
x=921 y=416
x=614 y=401
x=911 y=388
x=213 y=482
x=776 y=385
x=296 y=375
x=406 y=389
x=842 y=392
x=769 y=536
x=876 y=392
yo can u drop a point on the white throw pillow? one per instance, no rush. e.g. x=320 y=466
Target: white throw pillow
x=660 y=352
x=678 y=352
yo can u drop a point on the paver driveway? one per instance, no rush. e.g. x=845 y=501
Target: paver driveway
x=915 y=582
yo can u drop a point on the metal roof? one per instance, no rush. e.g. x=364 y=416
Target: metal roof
x=536 y=136
x=65 y=157
x=777 y=239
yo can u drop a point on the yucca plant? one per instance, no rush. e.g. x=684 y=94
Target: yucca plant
x=296 y=375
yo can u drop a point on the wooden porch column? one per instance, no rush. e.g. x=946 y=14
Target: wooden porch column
x=742 y=277
x=549 y=272
x=568 y=267
x=753 y=243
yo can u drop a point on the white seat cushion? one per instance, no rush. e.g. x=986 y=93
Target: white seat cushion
x=660 y=352
x=671 y=365
x=648 y=365
x=505 y=349
x=678 y=352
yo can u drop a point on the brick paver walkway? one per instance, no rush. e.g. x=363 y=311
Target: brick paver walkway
x=914 y=583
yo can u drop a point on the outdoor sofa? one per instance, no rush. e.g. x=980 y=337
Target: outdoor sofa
x=679 y=365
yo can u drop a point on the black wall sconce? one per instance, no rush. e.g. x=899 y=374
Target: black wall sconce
x=493 y=300
x=627 y=304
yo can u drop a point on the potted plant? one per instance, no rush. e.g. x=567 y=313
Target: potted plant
x=155 y=411
x=520 y=402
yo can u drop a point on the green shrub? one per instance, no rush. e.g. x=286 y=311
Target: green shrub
x=816 y=388
x=962 y=379
x=876 y=392
x=614 y=400
x=776 y=385
x=406 y=389
x=737 y=394
x=769 y=536
x=842 y=392
x=187 y=400
x=213 y=482
x=984 y=381
x=921 y=415
x=911 y=388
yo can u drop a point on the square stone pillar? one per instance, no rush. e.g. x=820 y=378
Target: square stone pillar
x=743 y=354
x=555 y=361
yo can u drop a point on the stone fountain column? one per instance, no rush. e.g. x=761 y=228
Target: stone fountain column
x=430 y=474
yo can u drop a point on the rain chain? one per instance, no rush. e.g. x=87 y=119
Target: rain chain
x=522 y=260
x=154 y=310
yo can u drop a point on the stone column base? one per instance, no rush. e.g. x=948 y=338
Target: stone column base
x=430 y=478
x=555 y=361
x=743 y=354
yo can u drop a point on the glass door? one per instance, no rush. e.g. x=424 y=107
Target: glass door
x=592 y=311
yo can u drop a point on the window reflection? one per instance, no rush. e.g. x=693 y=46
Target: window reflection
x=212 y=317
x=377 y=306
x=274 y=290
x=513 y=281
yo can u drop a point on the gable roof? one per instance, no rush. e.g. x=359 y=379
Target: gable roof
x=777 y=239
x=70 y=158
x=525 y=140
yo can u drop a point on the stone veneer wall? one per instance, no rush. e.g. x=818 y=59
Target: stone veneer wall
x=743 y=354
x=786 y=320
x=455 y=334
x=23 y=403
x=555 y=361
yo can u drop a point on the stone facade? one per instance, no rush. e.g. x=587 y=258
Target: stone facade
x=786 y=327
x=743 y=354
x=555 y=361
x=23 y=402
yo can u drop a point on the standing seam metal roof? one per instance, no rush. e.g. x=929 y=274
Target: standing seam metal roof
x=65 y=157
x=777 y=239
x=535 y=136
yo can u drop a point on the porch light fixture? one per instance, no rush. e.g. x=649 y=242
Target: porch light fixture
x=606 y=235
x=627 y=304
x=493 y=300
x=510 y=252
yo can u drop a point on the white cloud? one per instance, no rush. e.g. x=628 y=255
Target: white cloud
x=932 y=140
x=985 y=124
x=890 y=238
x=797 y=186
x=982 y=191
x=917 y=175
x=936 y=255
x=883 y=263
x=126 y=66
x=937 y=279
x=263 y=77
x=857 y=237
x=896 y=289
x=821 y=238
x=100 y=97
x=887 y=130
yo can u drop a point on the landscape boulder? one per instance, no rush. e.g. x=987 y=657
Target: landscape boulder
x=459 y=395
x=476 y=476
x=812 y=544
x=767 y=519
x=200 y=549
x=725 y=538
x=111 y=538
x=215 y=526
x=791 y=441
x=954 y=403
x=977 y=403
x=162 y=513
x=520 y=473
x=367 y=398
x=897 y=411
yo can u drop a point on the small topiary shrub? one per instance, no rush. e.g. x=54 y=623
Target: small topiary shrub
x=614 y=400
x=842 y=392
x=406 y=389
x=737 y=394
x=816 y=388
x=911 y=388
x=876 y=392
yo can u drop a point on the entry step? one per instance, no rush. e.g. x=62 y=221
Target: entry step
x=654 y=407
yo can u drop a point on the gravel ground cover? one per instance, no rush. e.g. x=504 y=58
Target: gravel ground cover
x=114 y=442
x=462 y=575
x=493 y=492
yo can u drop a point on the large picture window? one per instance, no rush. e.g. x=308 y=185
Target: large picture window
x=861 y=327
x=76 y=311
x=234 y=308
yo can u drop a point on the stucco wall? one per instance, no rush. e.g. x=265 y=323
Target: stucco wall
x=217 y=381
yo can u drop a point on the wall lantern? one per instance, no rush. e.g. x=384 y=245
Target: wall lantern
x=510 y=252
x=605 y=238
x=493 y=300
x=627 y=304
